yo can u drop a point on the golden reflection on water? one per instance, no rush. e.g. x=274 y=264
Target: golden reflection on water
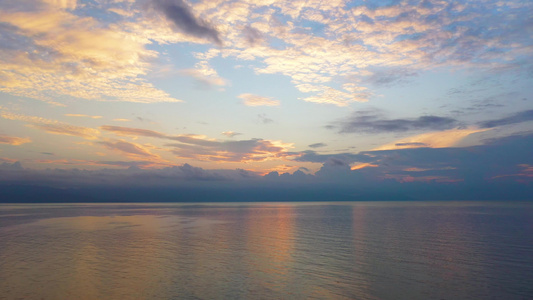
x=270 y=240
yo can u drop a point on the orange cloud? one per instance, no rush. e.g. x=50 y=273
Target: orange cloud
x=83 y=116
x=66 y=129
x=52 y=126
x=131 y=150
x=13 y=140
x=119 y=130
x=437 y=139
x=362 y=165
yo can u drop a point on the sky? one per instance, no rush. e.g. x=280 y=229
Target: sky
x=357 y=99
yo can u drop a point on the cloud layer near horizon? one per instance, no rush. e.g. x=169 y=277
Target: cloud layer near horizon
x=502 y=160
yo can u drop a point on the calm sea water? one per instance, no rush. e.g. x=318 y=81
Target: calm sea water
x=363 y=250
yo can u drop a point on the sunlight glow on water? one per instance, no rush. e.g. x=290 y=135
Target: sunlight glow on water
x=385 y=250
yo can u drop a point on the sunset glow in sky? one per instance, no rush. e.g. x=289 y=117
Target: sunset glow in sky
x=409 y=91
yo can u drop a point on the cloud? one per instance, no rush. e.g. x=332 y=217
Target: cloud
x=360 y=43
x=119 y=130
x=180 y=14
x=389 y=77
x=264 y=119
x=254 y=100
x=373 y=122
x=254 y=150
x=13 y=140
x=252 y=35
x=129 y=149
x=67 y=129
x=202 y=148
x=520 y=117
x=51 y=55
x=395 y=41
x=202 y=77
x=203 y=72
x=122 y=120
x=83 y=116
x=344 y=158
x=411 y=144
x=437 y=139
x=500 y=169
x=230 y=133
x=499 y=159
x=62 y=4
x=131 y=178
x=52 y=126
x=317 y=145
x=329 y=95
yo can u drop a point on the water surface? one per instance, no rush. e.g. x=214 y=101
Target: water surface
x=360 y=250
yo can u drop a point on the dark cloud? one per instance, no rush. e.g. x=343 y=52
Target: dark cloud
x=181 y=15
x=312 y=156
x=520 y=117
x=499 y=159
x=130 y=177
x=374 y=123
x=317 y=145
x=252 y=35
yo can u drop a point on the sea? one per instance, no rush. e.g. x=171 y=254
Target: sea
x=301 y=250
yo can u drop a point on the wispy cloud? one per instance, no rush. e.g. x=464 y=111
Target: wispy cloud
x=389 y=77
x=83 y=116
x=52 y=126
x=264 y=119
x=230 y=133
x=119 y=130
x=132 y=150
x=255 y=100
x=13 y=140
x=437 y=139
x=67 y=129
